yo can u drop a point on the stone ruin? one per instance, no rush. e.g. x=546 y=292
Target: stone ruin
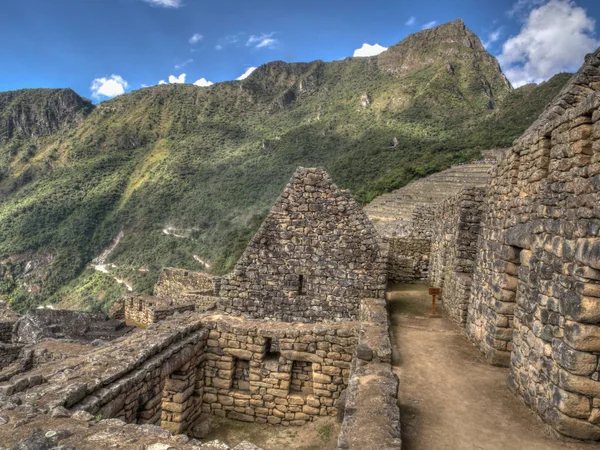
x=176 y=291
x=518 y=257
x=405 y=218
x=315 y=257
x=300 y=328
x=300 y=332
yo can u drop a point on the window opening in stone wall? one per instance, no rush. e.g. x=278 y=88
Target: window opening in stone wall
x=272 y=350
x=140 y=306
x=516 y=261
x=301 y=287
x=301 y=381
x=241 y=375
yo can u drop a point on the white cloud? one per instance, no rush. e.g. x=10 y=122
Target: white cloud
x=410 y=21
x=554 y=38
x=246 y=73
x=177 y=80
x=523 y=6
x=166 y=3
x=108 y=87
x=183 y=64
x=197 y=37
x=262 y=41
x=218 y=47
x=428 y=25
x=492 y=37
x=203 y=82
x=162 y=82
x=369 y=50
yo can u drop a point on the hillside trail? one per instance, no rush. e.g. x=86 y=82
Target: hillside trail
x=450 y=398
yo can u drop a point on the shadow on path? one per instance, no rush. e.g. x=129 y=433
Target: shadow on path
x=450 y=398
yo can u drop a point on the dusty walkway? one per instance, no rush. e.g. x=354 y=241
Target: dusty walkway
x=449 y=397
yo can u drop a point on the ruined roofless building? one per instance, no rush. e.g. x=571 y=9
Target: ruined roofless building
x=315 y=257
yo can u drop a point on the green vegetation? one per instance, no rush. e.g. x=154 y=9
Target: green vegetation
x=210 y=162
x=325 y=432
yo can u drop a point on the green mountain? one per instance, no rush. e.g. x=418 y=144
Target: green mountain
x=187 y=173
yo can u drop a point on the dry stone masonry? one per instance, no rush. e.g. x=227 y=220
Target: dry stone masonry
x=405 y=218
x=313 y=259
x=316 y=263
x=535 y=303
x=456 y=231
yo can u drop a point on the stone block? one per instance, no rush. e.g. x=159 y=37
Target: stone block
x=582 y=337
x=578 y=363
x=588 y=252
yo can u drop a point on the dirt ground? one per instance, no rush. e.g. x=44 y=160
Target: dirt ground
x=318 y=435
x=449 y=397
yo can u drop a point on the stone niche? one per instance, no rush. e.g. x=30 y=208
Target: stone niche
x=535 y=300
x=313 y=259
x=271 y=372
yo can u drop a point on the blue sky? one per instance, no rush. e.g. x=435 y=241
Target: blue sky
x=102 y=48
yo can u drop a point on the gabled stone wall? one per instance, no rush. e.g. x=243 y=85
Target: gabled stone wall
x=314 y=258
x=535 y=301
x=456 y=233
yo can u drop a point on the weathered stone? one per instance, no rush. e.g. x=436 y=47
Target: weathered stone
x=578 y=363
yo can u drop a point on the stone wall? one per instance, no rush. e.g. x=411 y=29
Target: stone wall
x=314 y=258
x=535 y=301
x=185 y=286
x=371 y=418
x=276 y=372
x=143 y=310
x=409 y=245
x=456 y=232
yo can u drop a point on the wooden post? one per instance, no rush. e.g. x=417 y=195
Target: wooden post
x=434 y=292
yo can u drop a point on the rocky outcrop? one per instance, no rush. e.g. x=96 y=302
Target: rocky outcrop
x=39 y=324
x=38 y=112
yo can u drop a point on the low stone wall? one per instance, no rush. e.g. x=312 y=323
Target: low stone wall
x=184 y=286
x=145 y=309
x=279 y=373
x=408 y=259
x=371 y=414
x=409 y=245
x=454 y=249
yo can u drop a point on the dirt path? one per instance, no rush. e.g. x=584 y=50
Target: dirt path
x=449 y=397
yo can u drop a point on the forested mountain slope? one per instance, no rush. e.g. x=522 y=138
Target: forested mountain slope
x=187 y=173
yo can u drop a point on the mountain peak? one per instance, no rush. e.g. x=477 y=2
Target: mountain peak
x=450 y=45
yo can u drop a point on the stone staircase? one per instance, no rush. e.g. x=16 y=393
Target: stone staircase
x=397 y=207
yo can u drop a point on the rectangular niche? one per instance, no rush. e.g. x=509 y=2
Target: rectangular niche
x=301 y=381
x=272 y=350
x=241 y=375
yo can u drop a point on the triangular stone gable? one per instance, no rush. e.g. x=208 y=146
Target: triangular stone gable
x=314 y=258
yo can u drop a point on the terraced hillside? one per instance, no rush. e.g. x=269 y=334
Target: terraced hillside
x=390 y=211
